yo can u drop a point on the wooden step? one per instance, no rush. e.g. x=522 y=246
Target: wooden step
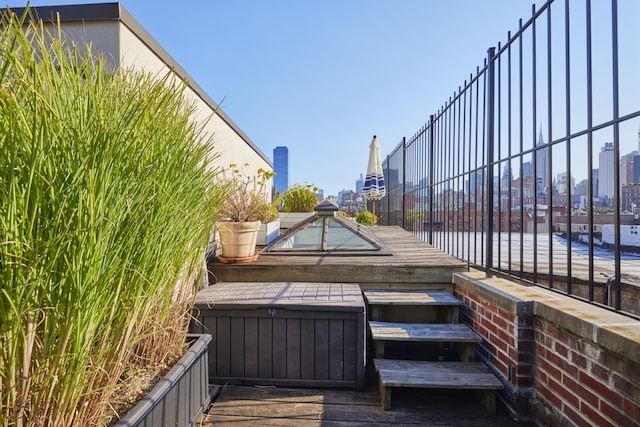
x=450 y=375
x=443 y=301
x=459 y=333
x=421 y=297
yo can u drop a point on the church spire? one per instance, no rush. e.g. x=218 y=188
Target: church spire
x=541 y=139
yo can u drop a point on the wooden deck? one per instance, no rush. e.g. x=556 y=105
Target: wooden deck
x=412 y=262
x=412 y=266
x=244 y=406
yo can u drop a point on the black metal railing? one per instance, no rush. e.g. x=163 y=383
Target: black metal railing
x=532 y=168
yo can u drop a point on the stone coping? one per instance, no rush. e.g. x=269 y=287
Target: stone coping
x=611 y=330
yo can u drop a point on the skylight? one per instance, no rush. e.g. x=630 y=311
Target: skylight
x=326 y=232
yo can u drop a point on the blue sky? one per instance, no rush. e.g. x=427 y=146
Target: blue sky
x=322 y=77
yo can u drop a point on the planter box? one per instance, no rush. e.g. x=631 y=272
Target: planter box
x=291 y=334
x=268 y=232
x=289 y=219
x=181 y=396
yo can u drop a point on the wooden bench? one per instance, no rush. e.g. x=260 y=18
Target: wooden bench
x=464 y=337
x=449 y=375
x=376 y=299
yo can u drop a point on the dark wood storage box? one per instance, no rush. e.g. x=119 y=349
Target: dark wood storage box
x=284 y=333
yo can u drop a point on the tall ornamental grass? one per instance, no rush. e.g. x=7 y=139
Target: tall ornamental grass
x=105 y=209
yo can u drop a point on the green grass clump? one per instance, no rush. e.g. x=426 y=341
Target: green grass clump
x=105 y=209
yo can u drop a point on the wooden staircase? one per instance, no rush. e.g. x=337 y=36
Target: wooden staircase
x=432 y=350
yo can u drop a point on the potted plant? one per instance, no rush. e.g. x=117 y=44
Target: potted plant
x=245 y=208
x=297 y=204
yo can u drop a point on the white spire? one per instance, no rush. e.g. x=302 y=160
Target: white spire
x=541 y=139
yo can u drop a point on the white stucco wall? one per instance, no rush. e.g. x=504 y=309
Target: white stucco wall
x=230 y=146
x=117 y=41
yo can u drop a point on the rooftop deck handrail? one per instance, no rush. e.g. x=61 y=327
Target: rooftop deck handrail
x=492 y=178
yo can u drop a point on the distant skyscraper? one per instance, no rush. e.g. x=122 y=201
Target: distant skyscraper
x=605 y=166
x=541 y=164
x=281 y=168
x=359 y=184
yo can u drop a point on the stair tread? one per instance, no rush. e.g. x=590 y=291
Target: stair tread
x=411 y=297
x=423 y=374
x=447 y=332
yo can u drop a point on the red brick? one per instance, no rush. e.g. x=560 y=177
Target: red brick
x=564 y=392
x=632 y=409
x=598 y=387
x=578 y=360
x=526 y=334
x=576 y=417
x=563 y=364
x=549 y=395
x=600 y=372
x=551 y=370
x=611 y=361
x=595 y=418
x=526 y=358
x=631 y=371
x=504 y=335
x=616 y=414
x=561 y=349
x=500 y=344
x=581 y=392
x=629 y=389
x=500 y=322
x=489 y=325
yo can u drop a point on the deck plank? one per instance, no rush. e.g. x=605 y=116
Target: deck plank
x=415 y=298
x=428 y=332
x=422 y=374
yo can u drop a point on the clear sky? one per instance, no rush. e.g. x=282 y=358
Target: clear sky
x=322 y=77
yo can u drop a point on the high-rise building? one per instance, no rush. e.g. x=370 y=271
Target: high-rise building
x=359 y=184
x=281 y=168
x=605 y=166
x=542 y=167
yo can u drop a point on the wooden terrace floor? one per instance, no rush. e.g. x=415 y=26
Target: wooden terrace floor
x=244 y=406
x=413 y=264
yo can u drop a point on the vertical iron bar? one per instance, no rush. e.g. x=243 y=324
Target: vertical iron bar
x=568 y=141
x=471 y=192
x=509 y=139
x=534 y=120
x=490 y=88
x=483 y=157
x=404 y=180
x=616 y=151
x=475 y=178
x=549 y=146
x=431 y=177
x=499 y=117
x=457 y=193
x=590 y=193
x=521 y=135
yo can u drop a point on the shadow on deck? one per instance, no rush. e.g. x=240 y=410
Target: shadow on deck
x=274 y=406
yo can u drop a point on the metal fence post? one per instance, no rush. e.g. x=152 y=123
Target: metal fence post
x=490 y=157
x=431 y=178
x=404 y=179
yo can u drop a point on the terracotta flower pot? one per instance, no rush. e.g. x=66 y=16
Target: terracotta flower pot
x=238 y=238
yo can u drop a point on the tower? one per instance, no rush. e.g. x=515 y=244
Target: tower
x=281 y=168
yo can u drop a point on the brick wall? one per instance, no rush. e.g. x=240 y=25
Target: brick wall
x=562 y=361
x=508 y=343
x=582 y=381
